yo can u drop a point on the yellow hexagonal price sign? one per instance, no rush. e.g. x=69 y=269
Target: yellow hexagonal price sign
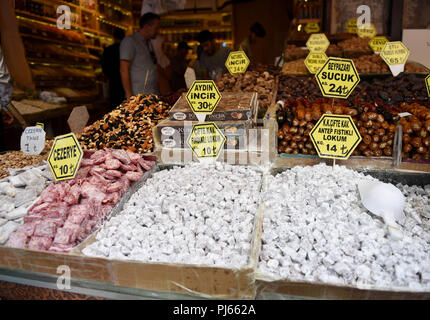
x=395 y=53
x=368 y=32
x=428 y=84
x=351 y=26
x=378 y=43
x=206 y=140
x=203 y=96
x=312 y=27
x=65 y=157
x=335 y=136
x=237 y=62
x=317 y=42
x=314 y=61
x=337 y=78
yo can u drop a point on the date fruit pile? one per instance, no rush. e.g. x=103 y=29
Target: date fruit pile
x=392 y=90
x=297 y=119
x=416 y=132
x=291 y=88
x=375 y=107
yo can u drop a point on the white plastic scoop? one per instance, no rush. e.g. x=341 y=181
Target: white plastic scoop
x=385 y=201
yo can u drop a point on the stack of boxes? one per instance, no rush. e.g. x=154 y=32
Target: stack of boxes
x=235 y=114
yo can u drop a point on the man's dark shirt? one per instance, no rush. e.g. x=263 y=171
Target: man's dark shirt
x=110 y=66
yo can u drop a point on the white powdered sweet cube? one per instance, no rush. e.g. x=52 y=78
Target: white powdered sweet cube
x=199 y=214
x=315 y=216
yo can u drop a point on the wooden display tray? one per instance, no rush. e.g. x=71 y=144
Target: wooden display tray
x=328 y=291
x=201 y=280
x=271 y=123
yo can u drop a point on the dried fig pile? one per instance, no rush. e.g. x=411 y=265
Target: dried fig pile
x=251 y=81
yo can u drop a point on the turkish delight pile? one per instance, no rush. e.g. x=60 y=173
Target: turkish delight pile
x=69 y=211
x=316 y=229
x=17 y=193
x=197 y=214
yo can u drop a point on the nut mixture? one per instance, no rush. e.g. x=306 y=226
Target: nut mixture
x=17 y=159
x=129 y=126
x=374 y=64
x=296 y=67
x=355 y=47
x=416 y=132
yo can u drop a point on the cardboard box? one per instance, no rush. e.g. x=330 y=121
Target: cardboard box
x=174 y=134
x=231 y=107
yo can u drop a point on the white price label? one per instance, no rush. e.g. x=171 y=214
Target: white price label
x=33 y=140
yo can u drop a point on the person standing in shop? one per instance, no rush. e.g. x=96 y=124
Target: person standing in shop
x=110 y=66
x=246 y=45
x=138 y=62
x=5 y=98
x=213 y=56
x=179 y=66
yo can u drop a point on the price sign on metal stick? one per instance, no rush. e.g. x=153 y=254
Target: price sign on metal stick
x=395 y=54
x=317 y=42
x=33 y=140
x=367 y=31
x=312 y=27
x=206 y=140
x=335 y=136
x=203 y=97
x=337 y=78
x=378 y=43
x=314 y=61
x=237 y=62
x=65 y=157
x=351 y=26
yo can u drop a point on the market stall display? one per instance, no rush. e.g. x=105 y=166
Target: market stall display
x=17 y=192
x=376 y=106
x=188 y=221
x=129 y=126
x=67 y=212
x=208 y=220
x=324 y=235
